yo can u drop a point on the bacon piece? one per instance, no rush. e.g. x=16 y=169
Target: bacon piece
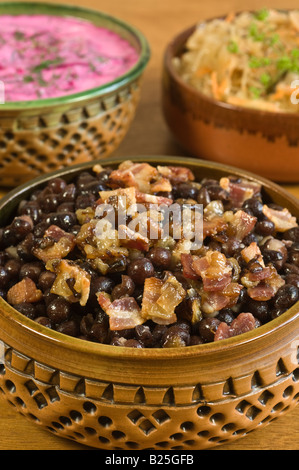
x=152 y=199
x=104 y=300
x=133 y=240
x=259 y=275
x=282 y=219
x=63 y=244
x=176 y=174
x=260 y=271
x=161 y=185
x=160 y=298
x=214 y=269
x=251 y=252
x=239 y=191
x=187 y=265
x=262 y=282
x=123 y=313
x=212 y=302
x=213 y=226
x=261 y=292
x=244 y=322
x=121 y=200
x=72 y=282
x=24 y=291
x=241 y=224
x=138 y=175
x=267 y=288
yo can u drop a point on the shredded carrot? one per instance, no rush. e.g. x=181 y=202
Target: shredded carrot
x=281 y=93
x=218 y=89
x=223 y=86
x=201 y=71
x=215 y=87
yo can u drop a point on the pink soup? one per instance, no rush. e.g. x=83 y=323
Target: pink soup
x=47 y=56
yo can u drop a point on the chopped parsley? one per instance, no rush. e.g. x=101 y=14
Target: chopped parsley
x=101 y=58
x=255 y=92
x=289 y=63
x=19 y=36
x=257 y=62
x=46 y=64
x=274 y=39
x=262 y=14
x=233 y=47
x=265 y=79
x=255 y=34
x=28 y=79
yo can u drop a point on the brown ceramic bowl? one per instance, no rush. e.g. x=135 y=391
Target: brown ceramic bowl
x=263 y=142
x=47 y=134
x=125 y=398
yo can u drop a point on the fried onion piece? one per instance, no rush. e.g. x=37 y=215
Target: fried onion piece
x=72 y=282
x=55 y=244
x=241 y=224
x=160 y=298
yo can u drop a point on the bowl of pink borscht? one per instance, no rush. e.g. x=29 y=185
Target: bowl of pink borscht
x=70 y=82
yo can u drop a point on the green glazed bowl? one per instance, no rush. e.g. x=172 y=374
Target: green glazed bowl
x=48 y=134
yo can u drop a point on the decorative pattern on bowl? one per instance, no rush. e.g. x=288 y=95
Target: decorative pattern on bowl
x=110 y=415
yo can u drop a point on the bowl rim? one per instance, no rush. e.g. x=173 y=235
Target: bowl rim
x=76 y=11
x=179 y=40
x=277 y=324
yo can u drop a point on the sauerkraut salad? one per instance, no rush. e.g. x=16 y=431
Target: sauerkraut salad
x=249 y=59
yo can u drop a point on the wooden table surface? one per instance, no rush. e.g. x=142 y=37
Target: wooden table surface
x=159 y=20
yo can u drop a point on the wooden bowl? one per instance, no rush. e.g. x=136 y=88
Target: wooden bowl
x=263 y=142
x=109 y=397
x=47 y=134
